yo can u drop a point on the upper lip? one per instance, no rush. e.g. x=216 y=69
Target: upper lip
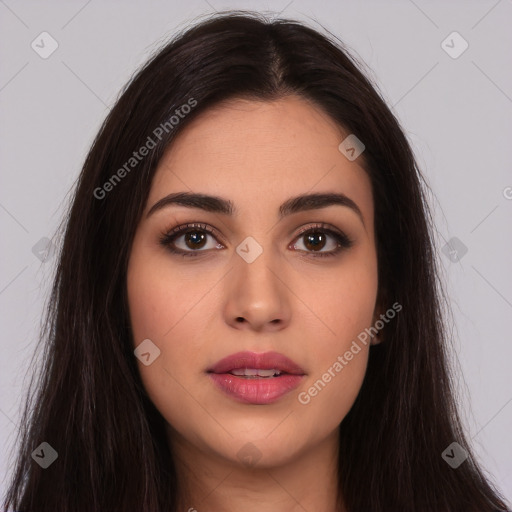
x=264 y=361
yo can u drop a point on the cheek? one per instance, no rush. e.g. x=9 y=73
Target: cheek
x=330 y=394
x=173 y=309
x=149 y=297
x=340 y=362
x=161 y=299
x=346 y=307
x=165 y=306
x=342 y=301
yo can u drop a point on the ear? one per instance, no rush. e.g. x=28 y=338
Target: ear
x=379 y=337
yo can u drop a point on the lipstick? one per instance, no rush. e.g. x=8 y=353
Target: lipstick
x=257 y=379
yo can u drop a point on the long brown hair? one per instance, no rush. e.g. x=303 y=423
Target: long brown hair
x=89 y=403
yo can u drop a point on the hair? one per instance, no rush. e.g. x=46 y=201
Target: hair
x=90 y=404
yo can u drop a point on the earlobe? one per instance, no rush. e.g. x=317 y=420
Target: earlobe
x=376 y=340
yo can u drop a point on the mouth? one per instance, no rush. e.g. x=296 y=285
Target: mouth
x=253 y=365
x=257 y=379
x=255 y=373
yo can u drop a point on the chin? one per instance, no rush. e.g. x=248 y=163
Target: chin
x=263 y=451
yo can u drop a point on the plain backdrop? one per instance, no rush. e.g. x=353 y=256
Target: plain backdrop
x=456 y=109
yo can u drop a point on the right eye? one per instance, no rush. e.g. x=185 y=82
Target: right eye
x=194 y=238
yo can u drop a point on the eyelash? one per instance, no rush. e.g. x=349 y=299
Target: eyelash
x=167 y=238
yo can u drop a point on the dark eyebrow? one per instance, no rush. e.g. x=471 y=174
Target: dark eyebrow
x=293 y=205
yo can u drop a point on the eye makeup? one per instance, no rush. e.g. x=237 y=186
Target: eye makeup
x=312 y=231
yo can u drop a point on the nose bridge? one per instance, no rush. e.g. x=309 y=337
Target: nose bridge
x=256 y=263
x=256 y=292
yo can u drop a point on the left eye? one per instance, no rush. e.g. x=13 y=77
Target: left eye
x=312 y=240
x=317 y=237
x=317 y=240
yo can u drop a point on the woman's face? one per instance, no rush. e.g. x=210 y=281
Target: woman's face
x=257 y=285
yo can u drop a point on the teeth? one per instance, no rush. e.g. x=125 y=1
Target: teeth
x=253 y=372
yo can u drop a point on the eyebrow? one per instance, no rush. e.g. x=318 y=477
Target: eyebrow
x=223 y=206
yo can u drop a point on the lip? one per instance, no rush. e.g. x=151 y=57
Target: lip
x=264 y=361
x=258 y=391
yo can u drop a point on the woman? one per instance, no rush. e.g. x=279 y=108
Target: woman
x=245 y=311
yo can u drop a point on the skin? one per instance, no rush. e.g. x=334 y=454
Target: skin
x=258 y=155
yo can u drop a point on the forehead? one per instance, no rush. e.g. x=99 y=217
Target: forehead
x=260 y=153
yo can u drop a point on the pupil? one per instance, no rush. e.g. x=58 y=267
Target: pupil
x=198 y=239
x=315 y=241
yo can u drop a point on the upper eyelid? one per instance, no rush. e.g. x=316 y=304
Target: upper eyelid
x=201 y=226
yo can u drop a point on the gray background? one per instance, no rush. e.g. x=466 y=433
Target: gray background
x=456 y=112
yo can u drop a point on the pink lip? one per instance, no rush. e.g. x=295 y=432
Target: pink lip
x=258 y=391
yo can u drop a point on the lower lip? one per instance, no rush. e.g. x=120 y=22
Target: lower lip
x=255 y=391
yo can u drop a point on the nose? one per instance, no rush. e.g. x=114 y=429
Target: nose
x=257 y=294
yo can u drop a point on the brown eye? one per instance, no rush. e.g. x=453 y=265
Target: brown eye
x=315 y=239
x=192 y=240
x=195 y=239
x=189 y=240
